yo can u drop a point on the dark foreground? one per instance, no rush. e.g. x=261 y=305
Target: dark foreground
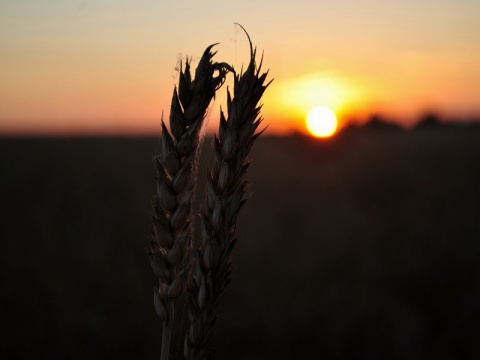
x=363 y=247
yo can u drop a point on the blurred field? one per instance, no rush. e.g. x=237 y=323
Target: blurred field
x=362 y=247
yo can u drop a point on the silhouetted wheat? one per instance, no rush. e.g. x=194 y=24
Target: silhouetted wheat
x=176 y=177
x=171 y=240
x=226 y=193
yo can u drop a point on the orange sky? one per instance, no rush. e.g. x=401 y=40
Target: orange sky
x=109 y=66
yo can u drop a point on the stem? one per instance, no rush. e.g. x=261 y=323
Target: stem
x=167 y=333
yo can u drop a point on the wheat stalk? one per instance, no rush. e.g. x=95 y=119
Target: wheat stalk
x=176 y=178
x=225 y=195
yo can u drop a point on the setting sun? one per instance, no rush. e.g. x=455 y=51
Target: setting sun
x=321 y=122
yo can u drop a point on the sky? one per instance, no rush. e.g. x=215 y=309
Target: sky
x=105 y=66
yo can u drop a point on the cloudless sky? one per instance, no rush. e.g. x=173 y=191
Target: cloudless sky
x=103 y=65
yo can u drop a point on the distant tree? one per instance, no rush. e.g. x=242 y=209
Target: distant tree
x=428 y=120
x=376 y=121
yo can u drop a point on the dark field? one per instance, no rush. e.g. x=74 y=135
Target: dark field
x=363 y=247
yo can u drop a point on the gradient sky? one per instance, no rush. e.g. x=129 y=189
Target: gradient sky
x=109 y=66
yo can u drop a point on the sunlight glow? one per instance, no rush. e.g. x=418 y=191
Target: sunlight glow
x=321 y=122
x=289 y=100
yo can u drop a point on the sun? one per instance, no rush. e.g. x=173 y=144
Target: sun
x=321 y=122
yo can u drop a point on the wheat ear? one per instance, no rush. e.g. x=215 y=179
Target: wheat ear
x=226 y=193
x=176 y=178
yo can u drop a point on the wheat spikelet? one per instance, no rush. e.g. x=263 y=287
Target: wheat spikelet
x=176 y=178
x=226 y=193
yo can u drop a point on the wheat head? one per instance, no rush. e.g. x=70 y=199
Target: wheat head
x=225 y=195
x=176 y=179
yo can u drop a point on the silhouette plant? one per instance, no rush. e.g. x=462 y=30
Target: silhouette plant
x=204 y=271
